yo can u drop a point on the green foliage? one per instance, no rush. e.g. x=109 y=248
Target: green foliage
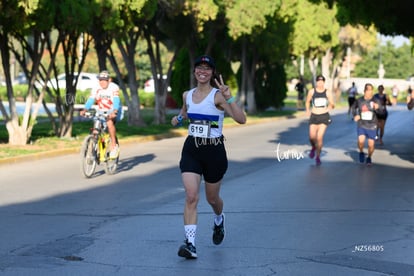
x=315 y=29
x=202 y=11
x=398 y=62
x=257 y=11
x=180 y=77
x=68 y=15
x=291 y=72
x=390 y=17
x=13 y=15
x=273 y=29
x=270 y=86
x=147 y=99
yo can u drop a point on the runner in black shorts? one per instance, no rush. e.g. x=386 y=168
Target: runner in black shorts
x=319 y=118
x=352 y=93
x=382 y=112
x=203 y=153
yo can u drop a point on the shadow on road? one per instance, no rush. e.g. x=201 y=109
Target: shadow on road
x=130 y=163
x=341 y=134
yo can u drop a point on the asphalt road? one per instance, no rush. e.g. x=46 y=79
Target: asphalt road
x=284 y=215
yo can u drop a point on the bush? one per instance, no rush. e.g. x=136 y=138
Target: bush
x=147 y=99
x=270 y=86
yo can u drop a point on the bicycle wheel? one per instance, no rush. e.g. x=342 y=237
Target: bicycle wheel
x=111 y=164
x=88 y=156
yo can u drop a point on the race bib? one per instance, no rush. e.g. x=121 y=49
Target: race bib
x=320 y=102
x=367 y=115
x=199 y=129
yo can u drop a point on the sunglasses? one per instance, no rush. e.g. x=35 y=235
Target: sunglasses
x=203 y=68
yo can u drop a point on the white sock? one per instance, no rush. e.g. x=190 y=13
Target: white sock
x=190 y=232
x=218 y=219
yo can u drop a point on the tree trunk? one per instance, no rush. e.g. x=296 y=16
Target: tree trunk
x=251 y=100
x=326 y=63
x=249 y=71
x=243 y=85
x=134 y=118
x=134 y=108
x=160 y=100
x=160 y=82
x=313 y=65
x=67 y=123
x=127 y=45
x=17 y=134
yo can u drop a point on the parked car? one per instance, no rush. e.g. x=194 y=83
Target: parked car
x=149 y=86
x=85 y=81
x=20 y=78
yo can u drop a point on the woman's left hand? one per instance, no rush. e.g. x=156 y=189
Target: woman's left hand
x=224 y=89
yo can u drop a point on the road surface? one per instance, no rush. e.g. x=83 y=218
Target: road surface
x=284 y=215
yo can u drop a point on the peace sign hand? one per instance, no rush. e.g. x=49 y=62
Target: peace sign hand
x=224 y=89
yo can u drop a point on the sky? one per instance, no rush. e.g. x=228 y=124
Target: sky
x=396 y=40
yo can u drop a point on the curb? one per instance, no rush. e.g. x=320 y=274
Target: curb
x=72 y=150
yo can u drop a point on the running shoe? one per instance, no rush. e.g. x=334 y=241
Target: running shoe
x=369 y=161
x=318 y=161
x=361 y=157
x=312 y=153
x=218 y=232
x=114 y=152
x=187 y=250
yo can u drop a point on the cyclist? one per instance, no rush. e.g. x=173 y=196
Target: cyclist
x=106 y=96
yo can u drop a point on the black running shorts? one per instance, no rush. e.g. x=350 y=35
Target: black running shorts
x=382 y=116
x=317 y=119
x=204 y=156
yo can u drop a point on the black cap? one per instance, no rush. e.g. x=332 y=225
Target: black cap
x=320 y=77
x=205 y=59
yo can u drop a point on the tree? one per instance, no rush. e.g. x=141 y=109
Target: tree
x=71 y=20
x=270 y=77
x=315 y=34
x=15 y=22
x=187 y=29
x=243 y=29
x=389 y=17
x=395 y=61
x=158 y=33
x=130 y=16
x=356 y=41
x=28 y=54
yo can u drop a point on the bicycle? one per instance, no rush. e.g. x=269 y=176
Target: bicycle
x=96 y=147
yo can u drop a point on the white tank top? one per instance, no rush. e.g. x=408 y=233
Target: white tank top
x=206 y=120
